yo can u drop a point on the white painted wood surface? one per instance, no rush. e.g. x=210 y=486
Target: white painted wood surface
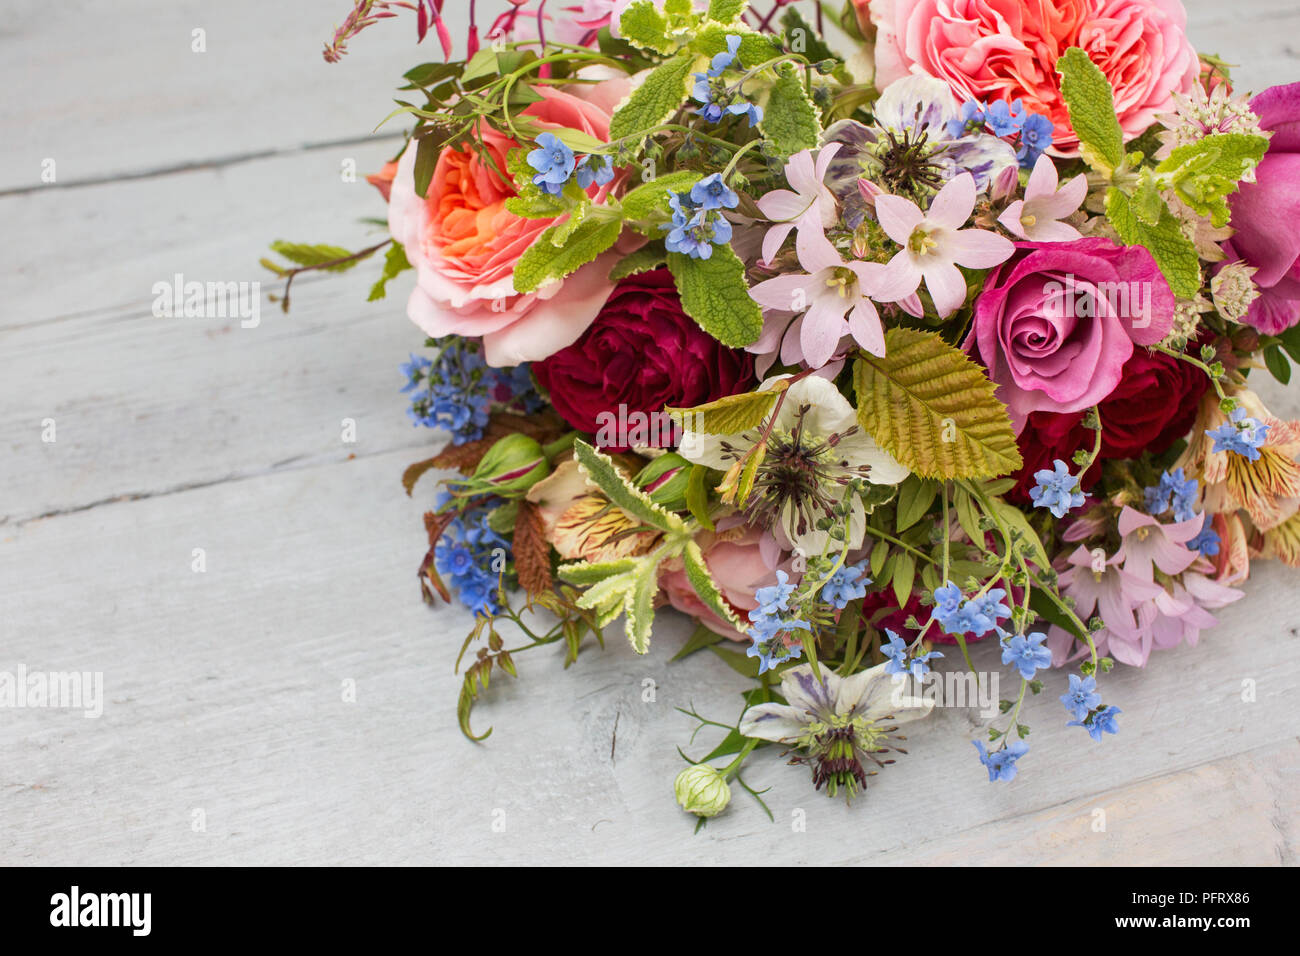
x=224 y=689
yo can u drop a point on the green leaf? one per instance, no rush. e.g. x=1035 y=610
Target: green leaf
x=1203 y=174
x=623 y=494
x=1013 y=516
x=426 y=160
x=1091 y=103
x=544 y=261
x=1275 y=361
x=1173 y=251
x=740 y=663
x=643 y=24
x=645 y=259
x=934 y=409
x=904 y=576
x=395 y=262
x=791 y=122
x=698 y=641
x=726 y=11
x=1043 y=606
x=1291 y=342
x=697 y=572
x=305 y=254
x=714 y=293
x=915 y=496
x=649 y=201
x=639 y=608
x=697 y=496
x=755 y=48
x=878 y=555
x=586 y=573
x=577 y=140
x=968 y=517
x=730 y=414
x=658 y=97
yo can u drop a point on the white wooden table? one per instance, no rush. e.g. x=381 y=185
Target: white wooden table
x=225 y=735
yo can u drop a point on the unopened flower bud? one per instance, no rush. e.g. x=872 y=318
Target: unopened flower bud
x=1004 y=187
x=511 y=466
x=664 y=479
x=702 y=790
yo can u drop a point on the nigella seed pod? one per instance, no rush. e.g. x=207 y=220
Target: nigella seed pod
x=702 y=790
x=664 y=479
x=510 y=467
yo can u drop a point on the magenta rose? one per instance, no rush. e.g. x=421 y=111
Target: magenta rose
x=641 y=352
x=1057 y=321
x=1266 y=215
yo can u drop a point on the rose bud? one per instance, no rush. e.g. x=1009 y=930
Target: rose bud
x=510 y=467
x=664 y=479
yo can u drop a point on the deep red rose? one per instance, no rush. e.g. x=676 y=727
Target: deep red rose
x=1153 y=406
x=642 y=352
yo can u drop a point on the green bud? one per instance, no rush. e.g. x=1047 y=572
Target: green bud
x=664 y=479
x=511 y=466
x=701 y=790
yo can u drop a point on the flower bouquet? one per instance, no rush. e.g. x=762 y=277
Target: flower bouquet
x=858 y=337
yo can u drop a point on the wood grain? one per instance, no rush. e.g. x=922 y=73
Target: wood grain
x=227 y=689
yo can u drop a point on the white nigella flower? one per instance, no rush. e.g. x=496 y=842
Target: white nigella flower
x=814 y=449
x=908 y=150
x=841 y=723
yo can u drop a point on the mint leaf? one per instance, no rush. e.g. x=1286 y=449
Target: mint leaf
x=643 y=260
x=1173 y=251
x=726 y=11
x=643 y=24
x=755 y=48
x=305 y=254
x=1091 y=103
x=1203 y=174
x=790 y=121
x=544 y=261
x=715 y=295
x=395 y=262
x=662 y=93
x=647 y=205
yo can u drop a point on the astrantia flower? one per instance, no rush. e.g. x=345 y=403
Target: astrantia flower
x=910 y=150
x=842 y=724
x=1036 y=216
x=934 y=243
x=1199 y=113
x=815 y=448
x=1001 y=764
x=834 y=298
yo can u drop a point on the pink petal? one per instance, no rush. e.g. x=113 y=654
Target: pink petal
x=1048 y=230
x=864 y=324
x=977 y=248
x=946 y=285
x=823 y=327
x=1010 y=220
x=1043 y=179
x=898 y=217
x=814 y=249
x=773 y=239
x=785 y=292
x=781 y=205
x=900 y=279
x=954 y=203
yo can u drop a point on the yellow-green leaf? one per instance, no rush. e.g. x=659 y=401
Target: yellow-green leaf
x=933 y=409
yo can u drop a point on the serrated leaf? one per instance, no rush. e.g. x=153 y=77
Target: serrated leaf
x=791 y=122
x=658 y=97
x=639 y=608
x=915 y=495
x=730 y=414
x=643 y=25
x=395 y=262
x=714 y=293
x=1173 y=251
x=622 y=494
x=933 y=409
x=586 y=573
x=1203 y=174
x=306 y=254
x=544 y=261
x=645 y=259
x=697 y=572
x=1091 y=104
x=755 y=48
x=649 y=201
x=725 y=11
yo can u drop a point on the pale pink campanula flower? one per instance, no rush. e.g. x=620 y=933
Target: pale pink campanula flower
x=1036 y=217
x=810 y=203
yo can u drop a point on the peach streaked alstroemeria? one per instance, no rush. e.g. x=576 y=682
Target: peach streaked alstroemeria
x=1036 y=216
x=1267 y=489
x=935 y=243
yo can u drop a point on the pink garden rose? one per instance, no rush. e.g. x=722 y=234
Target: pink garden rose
x=1007 y=50
x=1266 y=215
x=735 y=559
x=464 y=244
x=1058 y=320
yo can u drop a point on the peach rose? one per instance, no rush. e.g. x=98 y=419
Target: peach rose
x=464 y=244
x=1007 y=50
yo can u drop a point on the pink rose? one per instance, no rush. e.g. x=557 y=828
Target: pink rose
x=1058 y=320
x=1265 y=213
x=1007 y=50
x=735 y=560
x=464 y=244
